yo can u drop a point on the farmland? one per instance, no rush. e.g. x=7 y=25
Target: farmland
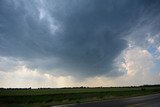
x=57 y=96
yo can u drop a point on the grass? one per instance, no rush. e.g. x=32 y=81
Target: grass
x=50 y=97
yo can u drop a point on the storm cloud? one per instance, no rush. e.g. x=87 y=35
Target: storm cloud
x=74 y=37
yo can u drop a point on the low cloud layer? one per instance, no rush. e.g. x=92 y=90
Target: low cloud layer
x=82 y=38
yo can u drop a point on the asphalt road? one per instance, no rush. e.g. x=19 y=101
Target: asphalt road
x=140 y=101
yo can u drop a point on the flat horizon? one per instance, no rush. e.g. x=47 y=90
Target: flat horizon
x=73 y=43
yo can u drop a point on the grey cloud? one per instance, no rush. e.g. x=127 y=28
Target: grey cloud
x=148 y=25
x=89 y=36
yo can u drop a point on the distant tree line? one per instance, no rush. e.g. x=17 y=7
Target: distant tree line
x=16 y=88
x=83 y=87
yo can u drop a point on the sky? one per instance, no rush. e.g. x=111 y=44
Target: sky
x=70 y=43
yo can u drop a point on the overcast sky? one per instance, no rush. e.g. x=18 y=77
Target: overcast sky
x=61 y=43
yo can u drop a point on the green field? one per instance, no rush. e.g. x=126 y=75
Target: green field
x=50 y=97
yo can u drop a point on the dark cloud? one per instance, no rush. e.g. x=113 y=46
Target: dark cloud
x=89 y=36
x=147 y=25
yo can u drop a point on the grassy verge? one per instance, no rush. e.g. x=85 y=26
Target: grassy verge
x=50 y=97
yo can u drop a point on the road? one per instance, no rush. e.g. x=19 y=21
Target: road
x=140 y=101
